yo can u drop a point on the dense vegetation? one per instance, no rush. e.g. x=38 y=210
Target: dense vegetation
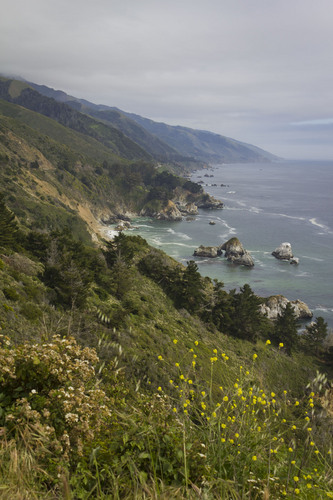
x=126 y=375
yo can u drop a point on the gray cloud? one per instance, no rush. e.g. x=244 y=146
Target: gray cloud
x=248 y=70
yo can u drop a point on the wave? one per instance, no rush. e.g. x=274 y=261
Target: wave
x=110 y=233
x=323 y=309
x=178 y=234
x=325 y=228
x=245 y=208
x=316 y=259
x=174 y=243
x=303 y=274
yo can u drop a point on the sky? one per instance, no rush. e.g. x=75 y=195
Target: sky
x=259 y=71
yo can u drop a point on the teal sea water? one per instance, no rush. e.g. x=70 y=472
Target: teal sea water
x=265 y=205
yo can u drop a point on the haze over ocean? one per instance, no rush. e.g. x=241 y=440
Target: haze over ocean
x=265 y=205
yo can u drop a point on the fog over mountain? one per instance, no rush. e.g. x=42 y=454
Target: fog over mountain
x=258 y=71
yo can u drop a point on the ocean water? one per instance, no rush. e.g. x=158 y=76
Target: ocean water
x=265 y=205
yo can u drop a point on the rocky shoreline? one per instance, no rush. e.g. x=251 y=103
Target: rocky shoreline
x=233 y=250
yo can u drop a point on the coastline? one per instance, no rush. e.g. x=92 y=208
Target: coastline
x=257 y=214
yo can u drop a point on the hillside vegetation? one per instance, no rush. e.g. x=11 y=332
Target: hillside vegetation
x=124 y=374
x=57 y=176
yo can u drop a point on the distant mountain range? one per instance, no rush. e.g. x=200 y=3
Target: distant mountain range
x=165 y=142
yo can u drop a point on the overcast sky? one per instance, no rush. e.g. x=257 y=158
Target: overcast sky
x=260 y=71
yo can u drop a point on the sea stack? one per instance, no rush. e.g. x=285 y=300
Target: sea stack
x=236 y=253
x=283 y=252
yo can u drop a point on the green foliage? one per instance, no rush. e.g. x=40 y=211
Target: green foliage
x=314 y=335
x=8 y=225
x=11 y=293
x=246 y=318
x=285 y=329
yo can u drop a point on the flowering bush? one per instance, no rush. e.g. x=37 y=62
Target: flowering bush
x=52 y=389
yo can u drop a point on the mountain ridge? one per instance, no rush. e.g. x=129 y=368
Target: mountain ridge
x=200 y=145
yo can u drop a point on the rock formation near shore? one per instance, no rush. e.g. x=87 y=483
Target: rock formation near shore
x=274 y=305
x=236 y=253
x=170 y=212
x=210 y=252
x=283 y=252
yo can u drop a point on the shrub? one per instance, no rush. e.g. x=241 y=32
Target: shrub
x=51 y=388
x=11 y=294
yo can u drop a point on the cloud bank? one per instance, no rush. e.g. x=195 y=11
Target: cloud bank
x=258 y=71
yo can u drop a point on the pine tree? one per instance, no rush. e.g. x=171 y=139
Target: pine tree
x=246 y=317
x=8 y=225
x=315 y=334
x=285 y=330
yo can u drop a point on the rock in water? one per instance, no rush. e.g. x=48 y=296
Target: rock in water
x=211 y=252
x=273 y=306
x=236 y=253
x=283 y=252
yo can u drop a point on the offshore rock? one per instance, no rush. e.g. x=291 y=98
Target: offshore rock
x=210 y=252
x=236 y=253
x=274 y=306
x=283 y=252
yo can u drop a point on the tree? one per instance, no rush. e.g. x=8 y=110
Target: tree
x=221 y=310
x=315 y=334
x=8 y=225
x=246 y=317
x=285 y=329
x=191 y=294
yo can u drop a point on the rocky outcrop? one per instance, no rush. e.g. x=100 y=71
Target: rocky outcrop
x=209 y=202
x=236 y=253
x=283 y=252
x=170 y=212
x=273 y=306
x=188 y=209
x=210 y=252
x=123 y=224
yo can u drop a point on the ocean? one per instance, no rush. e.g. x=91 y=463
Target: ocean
x=265 y=205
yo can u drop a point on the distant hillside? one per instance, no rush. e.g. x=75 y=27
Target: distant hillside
x=56 y=177
x=24 y=95
x=204 y=145
x=167 y=142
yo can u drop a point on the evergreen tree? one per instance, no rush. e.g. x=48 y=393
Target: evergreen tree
x=315 y=334
x=285 y=329
x=222 y=309
x=8 y=225
x=246 y=317
x=191 y=294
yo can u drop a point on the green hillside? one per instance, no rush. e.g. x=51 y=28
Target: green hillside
x=123 y=373
x=55 y=173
